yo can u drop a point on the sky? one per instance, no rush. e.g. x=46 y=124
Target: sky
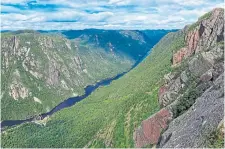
x=102 y=14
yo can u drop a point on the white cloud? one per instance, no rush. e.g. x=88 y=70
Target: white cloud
x=13 y=1
x=108 y=14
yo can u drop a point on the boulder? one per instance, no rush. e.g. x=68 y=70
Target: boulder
x=175 y=85
x=214 y=55
x=167 y=98
x=207 y=76
x=150 y=129
x=168 y=77
x=198 y=65
x=184 y=77
x=169 y=92
x=207 y=33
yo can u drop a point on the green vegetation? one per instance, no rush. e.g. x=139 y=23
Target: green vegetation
x=186 y=101
x=180 y=42
x=204 y=17
x=108 y=117
x=51 y=51
x=216 y=139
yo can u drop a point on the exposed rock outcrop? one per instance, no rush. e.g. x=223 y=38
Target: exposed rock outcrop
x=192 y=128
x=169 y=91
x=192 y=39
x=207 y=33
x=54 y=74
x=179 y=55
x=207 y=76
x=17 y=90
x=198 y=65
x=150 y=129
x=193 y=94
x=211 y=30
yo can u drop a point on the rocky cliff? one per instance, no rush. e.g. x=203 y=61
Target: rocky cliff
x=39 y=69
x=192 y=94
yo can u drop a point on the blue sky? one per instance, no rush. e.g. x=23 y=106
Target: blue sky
x=102 y=14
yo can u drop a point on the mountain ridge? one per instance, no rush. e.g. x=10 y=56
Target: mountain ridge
x=201 y=62
x=40 y=70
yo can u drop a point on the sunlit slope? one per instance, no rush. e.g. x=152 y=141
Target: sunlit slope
x=106 y=118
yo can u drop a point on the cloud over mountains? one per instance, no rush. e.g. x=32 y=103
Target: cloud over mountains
x=102 y=14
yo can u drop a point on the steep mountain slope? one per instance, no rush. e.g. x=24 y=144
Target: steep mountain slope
x=99 y=120
x=41 y=70
x=192 y=96
x=110 y=117
x=112 y=40
x=151 y=34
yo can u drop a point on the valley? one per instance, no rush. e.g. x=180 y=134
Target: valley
x=60 y=68
x=123 y=88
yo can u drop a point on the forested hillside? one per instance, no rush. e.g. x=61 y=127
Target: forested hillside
x=173 y=98
x=40 y=70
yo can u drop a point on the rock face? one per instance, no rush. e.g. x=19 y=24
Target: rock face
x=198 y=65
x=194 y=93
x=192 y=40
x=205 y=35
x=17 y=90
x=179 y=55
x=169 y=91
x=211 y=30
x=192 y=128
x=53 y=68
x=54 y=74
x=150 y=130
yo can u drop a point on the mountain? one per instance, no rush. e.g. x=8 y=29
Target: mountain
x=116 y=41
x=102 y=38
x=191 y=97
x=173 y=98
x=41 y=69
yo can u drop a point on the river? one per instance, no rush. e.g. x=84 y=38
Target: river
x=66 y=103
x=71 y=101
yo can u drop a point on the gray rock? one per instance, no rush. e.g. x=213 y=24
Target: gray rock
x=218 y=69
x=207 y=76
x=211 y=30
x=167 y=98
x=171 y=94
x=168 y=77
x=192 y=128
x=184 y=77
x=214 y=55
x=198 y=65
x=175 y=85
x=202 y=87
x=53 y=78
